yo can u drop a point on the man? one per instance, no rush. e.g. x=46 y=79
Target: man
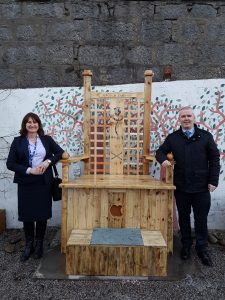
x=196 y=174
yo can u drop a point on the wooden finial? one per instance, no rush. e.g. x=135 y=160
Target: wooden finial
x=170 y=157
x=87 y=73
x=149 y=73
x=65 y=155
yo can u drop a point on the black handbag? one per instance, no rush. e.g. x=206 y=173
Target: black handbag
x=56 y=190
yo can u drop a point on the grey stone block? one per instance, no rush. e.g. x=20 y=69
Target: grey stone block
x=5 y=33
x=81 y=10
x=216 y=30
x=59 y=54
x=111 y=31
x=189 y=31
x=72 y=78
x=38 y=77
x=134 y=9
x=8 y=78
x=203 y=10
x=209 y=55
x=10 y=11
x=170 y=54
x=26 y=33
x=192 y=72
x=155 y=31
x=25 y=55
x=140 y=55
x=71 y=31
x=100 y=56
x=171 y=11
x=50 y=10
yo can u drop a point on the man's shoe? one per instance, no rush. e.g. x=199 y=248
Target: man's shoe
x=205 y=258
x=28 y=250
x=185 y=253
x=38 y=253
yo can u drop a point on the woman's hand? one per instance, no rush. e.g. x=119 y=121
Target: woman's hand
x=44 y=166
x=35 y=171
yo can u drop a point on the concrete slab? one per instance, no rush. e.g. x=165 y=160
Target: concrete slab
x=52 y=266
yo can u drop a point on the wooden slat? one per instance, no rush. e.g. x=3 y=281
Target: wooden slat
x=116 y=136
x=120 y=95
x=153 y=238
x=147 y=120
x=74 y=159
x=116 y=209
x=64 y=220
x=87 y=74
x=170 y=223
x=71 y=209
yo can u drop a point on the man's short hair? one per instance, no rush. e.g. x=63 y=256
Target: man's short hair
x=185 y=108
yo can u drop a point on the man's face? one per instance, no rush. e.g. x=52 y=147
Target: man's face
x=187 y=119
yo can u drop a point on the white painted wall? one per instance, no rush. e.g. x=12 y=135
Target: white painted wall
x=60 y=112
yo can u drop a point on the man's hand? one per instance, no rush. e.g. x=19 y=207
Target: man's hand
x=166 y=163
x=211 y=187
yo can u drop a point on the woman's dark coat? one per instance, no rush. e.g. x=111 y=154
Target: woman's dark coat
x=34 y=191
x=197 y=160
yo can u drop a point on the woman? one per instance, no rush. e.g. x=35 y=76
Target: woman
x=30 y=157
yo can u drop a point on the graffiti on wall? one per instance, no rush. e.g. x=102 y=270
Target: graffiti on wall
x=60 y=110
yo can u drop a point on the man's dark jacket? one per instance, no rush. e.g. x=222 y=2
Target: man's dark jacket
x=197 y=160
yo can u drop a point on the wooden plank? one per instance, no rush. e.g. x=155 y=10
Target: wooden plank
x=120 y=95
x=116 y=136
x=144 y=209
x=153 y=238
x=83 y=208
x=64 y=220
x=70 y=215
x=170 y=222
x=104 y=208
x=116 y=209
x=70 y=258
x=164 y=214
x=147 y=119
x=152 y=206
x=119 y=182
x=74 y=159
x=133 y=209
x=112 y=261
x=87 y=74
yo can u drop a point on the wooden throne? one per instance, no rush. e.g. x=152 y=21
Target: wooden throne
x=116 y=218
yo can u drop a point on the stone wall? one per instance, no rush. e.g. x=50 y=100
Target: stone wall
x=49 y=43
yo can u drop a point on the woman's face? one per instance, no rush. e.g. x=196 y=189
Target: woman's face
x=32 y=126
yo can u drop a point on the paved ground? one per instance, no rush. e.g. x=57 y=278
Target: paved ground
x=185 y=281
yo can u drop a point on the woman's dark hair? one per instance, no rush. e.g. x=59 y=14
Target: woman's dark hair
x=34 y=117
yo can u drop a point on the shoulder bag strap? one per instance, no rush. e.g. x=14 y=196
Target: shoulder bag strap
x=55 y=171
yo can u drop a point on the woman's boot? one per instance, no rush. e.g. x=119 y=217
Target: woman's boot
x=28 y=228
x=28 y=250
x=38 y=252
x=40 y=233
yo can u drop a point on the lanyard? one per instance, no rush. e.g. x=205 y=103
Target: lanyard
x=31 y=154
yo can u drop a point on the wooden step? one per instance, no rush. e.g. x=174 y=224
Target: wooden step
x=116 y=252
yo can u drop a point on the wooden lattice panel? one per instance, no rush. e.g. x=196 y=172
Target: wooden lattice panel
x=116 y=133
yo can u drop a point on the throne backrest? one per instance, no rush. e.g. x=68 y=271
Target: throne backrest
x=117 y=129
